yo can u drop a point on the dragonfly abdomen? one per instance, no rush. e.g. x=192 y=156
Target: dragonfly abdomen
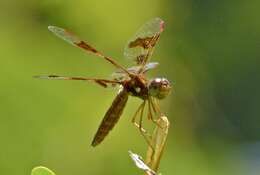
x=111 y=117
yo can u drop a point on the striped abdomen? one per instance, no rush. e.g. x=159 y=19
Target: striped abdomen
x=111 y=117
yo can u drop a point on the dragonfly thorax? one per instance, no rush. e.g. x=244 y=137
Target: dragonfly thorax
x=159 y=88
x=137 y=86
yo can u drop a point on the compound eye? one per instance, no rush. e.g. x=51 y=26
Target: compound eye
x=154 y=86
x=159 y=88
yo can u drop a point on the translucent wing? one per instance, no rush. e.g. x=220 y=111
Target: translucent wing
x=72 y=39
x=135 y=70
x=147 y=67
x=102 y=82
x=76 y=41
x=140 y=47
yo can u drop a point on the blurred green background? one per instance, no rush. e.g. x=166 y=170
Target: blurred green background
x=210 y=51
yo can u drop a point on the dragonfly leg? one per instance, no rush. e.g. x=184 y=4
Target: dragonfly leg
x=154 y=109
x=150 y=113
x=156 y=106
x=135 y=115
x=144 y=133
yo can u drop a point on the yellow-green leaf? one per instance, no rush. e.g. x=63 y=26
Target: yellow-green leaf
x=40 y=170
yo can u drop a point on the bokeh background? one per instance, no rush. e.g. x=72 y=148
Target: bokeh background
x=209 y=50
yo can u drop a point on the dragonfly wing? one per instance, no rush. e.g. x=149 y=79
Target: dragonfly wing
x=76 y=41
x=140 y=47
x=151 y=65
x=72 y=39
x=102 y=82
x=111 y=117
x=119 y=74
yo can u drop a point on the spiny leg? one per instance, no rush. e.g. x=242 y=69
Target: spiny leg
x=154 y=108
x=150 y=112
x=144 y=133
x=135 y=115
x=146 y=136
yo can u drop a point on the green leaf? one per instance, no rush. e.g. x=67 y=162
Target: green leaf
x=40 y=170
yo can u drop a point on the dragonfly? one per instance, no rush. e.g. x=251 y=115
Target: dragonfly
x=131 y=81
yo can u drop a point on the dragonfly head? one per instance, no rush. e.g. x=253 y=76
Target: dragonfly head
x=159 y=87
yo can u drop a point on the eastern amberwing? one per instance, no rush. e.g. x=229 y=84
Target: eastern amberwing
x=132 y=81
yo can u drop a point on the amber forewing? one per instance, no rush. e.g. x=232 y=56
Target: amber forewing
x=140 y=47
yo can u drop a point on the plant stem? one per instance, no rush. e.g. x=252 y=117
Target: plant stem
x=154 y=155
